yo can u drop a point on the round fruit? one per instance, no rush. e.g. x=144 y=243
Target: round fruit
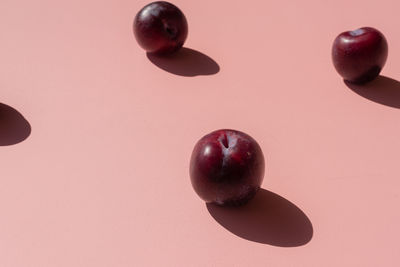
x=227 y=167
x=360 y=55
x=160 y=27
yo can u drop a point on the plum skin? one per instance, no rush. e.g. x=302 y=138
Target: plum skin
x=359 y=55
x=160 y=28
x=227 y=167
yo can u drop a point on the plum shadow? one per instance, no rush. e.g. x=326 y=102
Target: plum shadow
x=268 y=219
x=14 y=128
x=185 y=62
x=382 y=90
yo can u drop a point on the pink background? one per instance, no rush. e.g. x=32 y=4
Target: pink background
x=102 y=179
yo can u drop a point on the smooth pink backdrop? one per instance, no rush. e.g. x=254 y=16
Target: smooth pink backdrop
x=102 y=180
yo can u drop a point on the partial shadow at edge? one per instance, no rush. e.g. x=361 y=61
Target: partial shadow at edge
x=268 y=219
x=14 y=128
x=186 y=62
x=382 y=90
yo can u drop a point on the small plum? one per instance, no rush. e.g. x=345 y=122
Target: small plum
x=227 y=167
x=160 y=28
x=360 y=55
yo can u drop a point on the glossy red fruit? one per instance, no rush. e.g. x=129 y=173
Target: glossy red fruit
x=160 y=27
x=360 y=55
x=227 y=167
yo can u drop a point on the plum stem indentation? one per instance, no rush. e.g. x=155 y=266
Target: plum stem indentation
x=225 y=141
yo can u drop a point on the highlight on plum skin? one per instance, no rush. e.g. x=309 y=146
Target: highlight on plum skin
x=227 y=167
x=160 y=28
x=359 y=55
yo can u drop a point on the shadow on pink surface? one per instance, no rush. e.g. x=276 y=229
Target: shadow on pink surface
x=268 y=219
x=14 y=128
x=186 y=62
x=382 y=90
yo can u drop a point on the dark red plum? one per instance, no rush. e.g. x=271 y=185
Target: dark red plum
x=227 y=167
x=160 y=28
x=360 y=55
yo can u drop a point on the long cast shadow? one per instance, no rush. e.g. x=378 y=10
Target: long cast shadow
x=382 y=90
x=14 y=128
x=185 y=62
x=268 y=219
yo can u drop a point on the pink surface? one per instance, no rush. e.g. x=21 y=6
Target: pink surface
x=102 y=176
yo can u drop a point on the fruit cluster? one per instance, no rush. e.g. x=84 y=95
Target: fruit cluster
x=227 y=166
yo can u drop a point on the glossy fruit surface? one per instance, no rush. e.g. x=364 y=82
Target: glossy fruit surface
x=227 y=167
x=160 y=27
x=360 y=55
